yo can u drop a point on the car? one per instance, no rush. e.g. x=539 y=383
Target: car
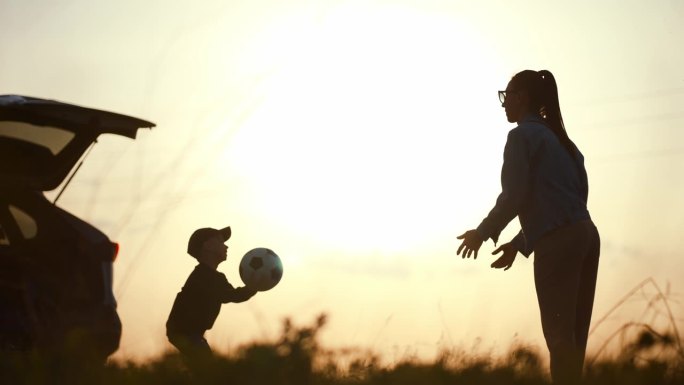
x=56 y=270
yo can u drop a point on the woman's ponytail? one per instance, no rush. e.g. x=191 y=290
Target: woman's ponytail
x=550 y=109
x=543 y=93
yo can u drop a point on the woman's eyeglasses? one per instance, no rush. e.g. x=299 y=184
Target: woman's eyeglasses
x=503 y=94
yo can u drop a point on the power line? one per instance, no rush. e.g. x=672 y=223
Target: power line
x=633 y=156
x=673 y=91
x=621 y=123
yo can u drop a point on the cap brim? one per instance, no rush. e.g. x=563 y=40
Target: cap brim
x=225 y=233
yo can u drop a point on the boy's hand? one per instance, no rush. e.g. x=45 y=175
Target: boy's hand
x=506 y=260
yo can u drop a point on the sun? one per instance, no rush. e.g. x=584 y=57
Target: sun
x=375 y=129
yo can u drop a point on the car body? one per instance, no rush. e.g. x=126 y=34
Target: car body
x=56 y=270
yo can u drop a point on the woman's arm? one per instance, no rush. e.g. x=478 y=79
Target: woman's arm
x=514 y=185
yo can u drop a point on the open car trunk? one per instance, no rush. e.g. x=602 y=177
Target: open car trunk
x=41 y=140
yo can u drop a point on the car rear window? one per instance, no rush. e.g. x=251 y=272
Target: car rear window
x=52 y=138
x=27 y=225
x=4 y=240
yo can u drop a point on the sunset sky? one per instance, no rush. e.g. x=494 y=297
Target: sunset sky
x=357 y=139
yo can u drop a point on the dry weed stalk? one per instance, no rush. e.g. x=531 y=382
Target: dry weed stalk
x=647 y=337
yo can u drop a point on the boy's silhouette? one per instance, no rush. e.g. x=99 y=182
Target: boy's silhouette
x=198 y=303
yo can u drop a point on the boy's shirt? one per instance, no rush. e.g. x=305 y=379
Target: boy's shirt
x=198 y=303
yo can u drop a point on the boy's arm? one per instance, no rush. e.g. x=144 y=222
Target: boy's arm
x=236 y=295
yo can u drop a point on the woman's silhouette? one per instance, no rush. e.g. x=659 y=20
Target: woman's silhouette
x=544 y=184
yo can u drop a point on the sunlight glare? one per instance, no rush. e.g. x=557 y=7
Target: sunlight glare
x=365 y=131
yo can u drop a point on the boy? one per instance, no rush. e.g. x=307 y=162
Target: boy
x=198 y=303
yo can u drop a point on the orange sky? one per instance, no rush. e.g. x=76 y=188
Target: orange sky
x=356 y=139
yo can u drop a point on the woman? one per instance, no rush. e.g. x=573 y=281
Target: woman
x=544 y=184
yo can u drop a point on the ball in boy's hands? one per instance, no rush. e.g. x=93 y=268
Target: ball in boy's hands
x=261 y=269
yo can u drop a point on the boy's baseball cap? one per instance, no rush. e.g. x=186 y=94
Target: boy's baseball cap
x=200 y=235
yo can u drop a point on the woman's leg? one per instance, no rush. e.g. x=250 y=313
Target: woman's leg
x=562 y=275
x=587 y=289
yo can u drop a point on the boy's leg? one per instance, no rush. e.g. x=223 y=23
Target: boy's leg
x=190 y=344
x=194 y=349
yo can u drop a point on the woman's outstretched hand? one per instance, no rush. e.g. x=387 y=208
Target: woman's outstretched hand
x=506 y=259
x=471 y=243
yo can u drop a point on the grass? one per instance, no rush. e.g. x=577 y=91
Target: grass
x=643 y=353
x=296 y=358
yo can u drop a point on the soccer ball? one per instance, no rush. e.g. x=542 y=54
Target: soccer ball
x=261 y=269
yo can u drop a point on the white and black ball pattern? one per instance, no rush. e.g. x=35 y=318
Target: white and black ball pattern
x=261 y=269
